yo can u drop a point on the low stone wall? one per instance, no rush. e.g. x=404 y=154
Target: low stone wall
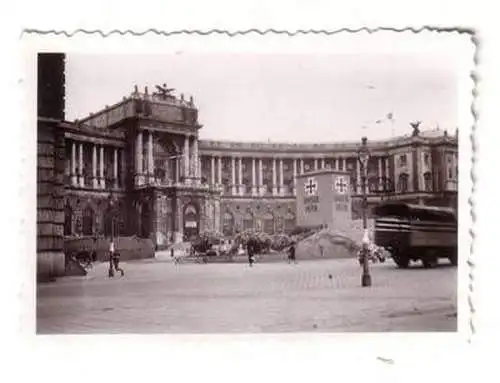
x=129 y=247
x=334 y=243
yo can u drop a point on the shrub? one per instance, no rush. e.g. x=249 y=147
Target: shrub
x=280 y=241
x=260 y=240
x=206 y=240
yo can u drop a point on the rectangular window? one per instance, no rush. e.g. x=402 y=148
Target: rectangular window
x=402 y=160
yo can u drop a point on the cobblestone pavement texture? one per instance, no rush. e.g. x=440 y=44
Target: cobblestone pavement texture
x=160 y=297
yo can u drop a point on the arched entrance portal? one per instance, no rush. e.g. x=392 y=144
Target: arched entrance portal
x=191 y=220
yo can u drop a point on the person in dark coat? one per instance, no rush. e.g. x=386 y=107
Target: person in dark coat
x=114 y=261
x=291 y=253
x=251 y=252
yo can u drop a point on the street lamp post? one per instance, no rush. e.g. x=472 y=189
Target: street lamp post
x=112 y=244
x=363 y=157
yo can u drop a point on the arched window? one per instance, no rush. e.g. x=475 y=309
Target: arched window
x=403 y=183
x=428 y=181
x=68 y=220
x=227 y=224
x=88 y=221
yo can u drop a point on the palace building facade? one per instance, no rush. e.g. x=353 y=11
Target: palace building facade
x=168 y=185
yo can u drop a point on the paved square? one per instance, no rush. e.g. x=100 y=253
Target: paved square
x=159 y=297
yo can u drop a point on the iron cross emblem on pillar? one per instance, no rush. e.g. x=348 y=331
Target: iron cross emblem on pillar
x=341 y=185
x=311 y=186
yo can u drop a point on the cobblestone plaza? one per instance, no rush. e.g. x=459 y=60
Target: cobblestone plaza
x=160 y=297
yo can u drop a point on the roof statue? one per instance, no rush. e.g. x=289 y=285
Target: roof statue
x=416 y=130
x=164 y=92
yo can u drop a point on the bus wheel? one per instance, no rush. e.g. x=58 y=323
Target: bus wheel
x=401 y=261
x=429 y=260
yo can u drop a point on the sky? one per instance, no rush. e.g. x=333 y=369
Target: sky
x=283 y=97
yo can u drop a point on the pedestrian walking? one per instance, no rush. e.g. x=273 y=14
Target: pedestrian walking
x=291 y=253
x=114 y=261
x=250 y=251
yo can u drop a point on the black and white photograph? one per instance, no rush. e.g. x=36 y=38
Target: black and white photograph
x=263 y=192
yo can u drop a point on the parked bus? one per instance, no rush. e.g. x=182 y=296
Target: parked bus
x=416 y=232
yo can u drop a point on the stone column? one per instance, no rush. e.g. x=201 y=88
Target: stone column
x=254 y=183
x=280 y=173
x=138 y=159
x=344 y=164
x=123 y=167
x=275 y=184
x=295 y=176
x=233 y=176
x=212 y=170
x=380 y=166
x=217 y=215
x=322 y=163
x=219 y=170
x=261 y=178
x=151 y=170
x=74 y=178
x=186 y=158
x=316 y=164
x=80 y=165
x=196 y=162
x=301 y=166
x=101 y=168
x=358 y=177
x=115 y=168
x=240 y=175
x=94 y=167
x=387 y=175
